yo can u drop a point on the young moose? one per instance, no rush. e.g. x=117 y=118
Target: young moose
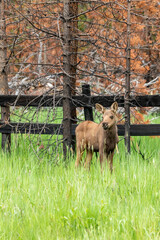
x=101 y=138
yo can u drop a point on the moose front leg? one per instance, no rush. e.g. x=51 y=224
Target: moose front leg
x=110 y=161
x=102 y=157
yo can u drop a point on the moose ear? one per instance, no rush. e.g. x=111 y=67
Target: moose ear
x=114 y=107
x=100 y=108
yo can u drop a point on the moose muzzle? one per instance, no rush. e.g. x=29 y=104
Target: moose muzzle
x=105 y=125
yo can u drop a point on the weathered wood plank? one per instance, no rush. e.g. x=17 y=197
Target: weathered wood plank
x=31 y=128
x=135 y=101
x=79 y=101
x=35 y=128
x=141 y=130
x=34 y=101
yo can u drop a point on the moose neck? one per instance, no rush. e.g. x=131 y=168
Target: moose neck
x=111 y=132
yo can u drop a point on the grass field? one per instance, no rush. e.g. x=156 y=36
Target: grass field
x=39 y=200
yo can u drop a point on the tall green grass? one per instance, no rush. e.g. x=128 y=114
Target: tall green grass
x=40 y=200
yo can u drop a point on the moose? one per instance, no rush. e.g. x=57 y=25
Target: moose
x=102 y=137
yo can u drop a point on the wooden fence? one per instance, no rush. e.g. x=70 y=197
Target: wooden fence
x=85 y=100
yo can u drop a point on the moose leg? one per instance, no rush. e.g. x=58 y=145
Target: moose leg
x=79 y=157
x=101 y=157
x=110 y=161
x=88 y=159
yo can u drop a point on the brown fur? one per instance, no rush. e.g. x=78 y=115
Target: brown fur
x=101 y=137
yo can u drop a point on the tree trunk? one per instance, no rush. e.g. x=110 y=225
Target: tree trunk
x=66 y=79
x=127 y=84
x=70 y=46
x=6 y=138
x=73 y=12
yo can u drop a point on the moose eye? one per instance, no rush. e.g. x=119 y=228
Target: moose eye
x=111 y=117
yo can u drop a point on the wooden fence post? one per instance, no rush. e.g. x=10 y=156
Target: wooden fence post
x=6 y=137
x=88 y=112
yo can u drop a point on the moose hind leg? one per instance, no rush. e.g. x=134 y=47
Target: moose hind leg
x=79 y=157
x=88 y=159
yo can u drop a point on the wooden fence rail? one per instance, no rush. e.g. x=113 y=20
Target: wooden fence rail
x=40 y=128
x=78 y=101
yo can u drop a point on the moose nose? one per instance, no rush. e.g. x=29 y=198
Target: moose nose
x=105 y=125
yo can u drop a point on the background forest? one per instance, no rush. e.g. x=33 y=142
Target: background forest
x=35 y=45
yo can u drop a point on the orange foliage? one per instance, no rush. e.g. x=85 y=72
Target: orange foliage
x=102 y=42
